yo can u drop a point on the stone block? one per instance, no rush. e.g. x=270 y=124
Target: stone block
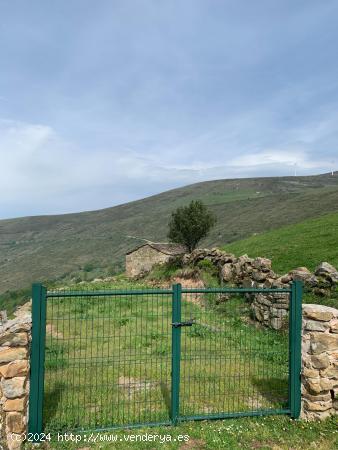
x=15 y=422
x=14 y=369
x=323 y=342
x=334 y=326
x=14 y=339
x=315 y=325
x=321 y=361
x=11 y=354
x=319 y=312
x=16 y=404
x=317 y=406
x=13 y=387
x=310 y=373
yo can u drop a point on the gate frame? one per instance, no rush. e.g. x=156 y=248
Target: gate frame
x=36 y=394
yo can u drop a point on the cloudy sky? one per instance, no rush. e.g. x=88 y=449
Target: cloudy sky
x=110 y=101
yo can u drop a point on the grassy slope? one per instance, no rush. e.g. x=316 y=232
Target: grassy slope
x=304 y=244
x=46 y=247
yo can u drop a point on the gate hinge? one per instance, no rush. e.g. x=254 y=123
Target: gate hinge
x=188 y=323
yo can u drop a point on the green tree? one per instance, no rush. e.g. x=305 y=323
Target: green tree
x=189 y=224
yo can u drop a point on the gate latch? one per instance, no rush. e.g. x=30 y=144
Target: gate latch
x=188 y=323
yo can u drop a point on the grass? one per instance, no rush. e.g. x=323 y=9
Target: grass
x=70 y=246
x=108 y=360
x=304 y=244
x=263 y=433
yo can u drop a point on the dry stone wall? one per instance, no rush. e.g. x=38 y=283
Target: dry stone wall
x=319 y=362
x=15 y=337
x=270 y=310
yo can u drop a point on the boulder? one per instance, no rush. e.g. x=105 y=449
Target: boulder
x=319 y=312
x=325 y=268
x=301 y=273
x=263 y=264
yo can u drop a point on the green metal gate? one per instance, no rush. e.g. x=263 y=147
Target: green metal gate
x=122 y=358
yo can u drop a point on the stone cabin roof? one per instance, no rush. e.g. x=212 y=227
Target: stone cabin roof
x=163 y=247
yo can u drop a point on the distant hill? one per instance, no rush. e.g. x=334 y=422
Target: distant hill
x=47 y=247
x=304 y=244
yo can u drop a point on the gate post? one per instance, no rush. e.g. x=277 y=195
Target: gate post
x=295 y=330
x=175 y=353
x=39 y=295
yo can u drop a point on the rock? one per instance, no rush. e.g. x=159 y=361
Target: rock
x=15 y=422
x=244 y=259
x=278 y=312
x=226 y=273
x=248 y=283
x=325 y=268
x=14 y=339
x=14 y=441
x=317 y=406
x=14 y=369
x=326 y=384
x=320 y=361
x=317 y=398
x=310 y=373
x=315 y=325
x=334 y=326
x=319 y=312
x=330 y=372
x=259 y=276
x=17 y=404
x=313 y=385
x=262 y=264
x=321 y=342
x=263 y=299
x=11 y=354
x=13 y=387
x=301 y=273
x=312 y=281
x=276 y=323
x=285 y=278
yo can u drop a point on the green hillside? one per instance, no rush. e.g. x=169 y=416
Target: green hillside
x=303 y=244
x=47 y=247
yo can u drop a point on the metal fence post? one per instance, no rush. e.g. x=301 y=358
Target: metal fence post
x=295 y=348
x=39 y=294
x=176 y=354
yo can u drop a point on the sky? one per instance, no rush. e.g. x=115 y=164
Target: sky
x=106 y=102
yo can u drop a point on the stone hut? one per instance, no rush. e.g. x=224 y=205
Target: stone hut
x=143 y=258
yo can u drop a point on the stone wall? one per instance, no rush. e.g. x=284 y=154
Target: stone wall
x=270 y=310
x=142 y=260
x=15 y=337
x=319 y=362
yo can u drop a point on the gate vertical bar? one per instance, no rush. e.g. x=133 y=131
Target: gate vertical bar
x=39 y=294
x=295 y=348
x=176 y=354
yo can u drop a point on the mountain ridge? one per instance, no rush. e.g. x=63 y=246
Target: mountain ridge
x=48 y=246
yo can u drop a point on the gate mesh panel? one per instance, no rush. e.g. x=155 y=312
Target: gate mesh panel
x=229 y=363
x=108 y=360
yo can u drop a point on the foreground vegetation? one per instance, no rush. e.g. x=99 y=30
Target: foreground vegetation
x=261 y=433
